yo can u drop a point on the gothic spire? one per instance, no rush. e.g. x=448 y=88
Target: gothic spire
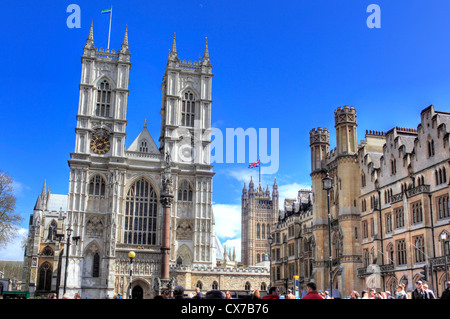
x=125 y=47
x=174 y=44
x=206 y=53
x=173 y=56
x=44 y=188
x=90 y=39
x=275 y=188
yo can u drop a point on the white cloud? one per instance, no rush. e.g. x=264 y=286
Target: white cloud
x=243 y=175
x=19 y=188
x=228 y=221
x=13 y=250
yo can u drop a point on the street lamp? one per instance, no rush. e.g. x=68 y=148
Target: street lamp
x=377 y=188
x=444 y=239
x=60 y=238
x=131 y=255
x=327 y=185
x=270 y=239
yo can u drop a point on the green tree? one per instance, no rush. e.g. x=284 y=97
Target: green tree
x=8 y=220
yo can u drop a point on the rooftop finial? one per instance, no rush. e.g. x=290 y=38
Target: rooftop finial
x=145 y=123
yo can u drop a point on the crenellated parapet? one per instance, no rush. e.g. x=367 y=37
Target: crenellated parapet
x=319 y=135
x=345 y=115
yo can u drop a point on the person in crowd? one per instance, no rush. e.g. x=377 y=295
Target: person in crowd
x=312 y=292
x=355 y=295
x=289 y=294
x=401 y=294
x=274 y=293
x=373 y=293
x=429 y=291
x=364 y=294
x=255 y=294
x=446 y=292
x=214 y=294
x=166 y=294
x=228 y=295
x=198 y=294
x=388 y=295
x=419 y=292
x=178 y=292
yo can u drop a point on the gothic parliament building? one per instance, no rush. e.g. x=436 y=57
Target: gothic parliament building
x=113 y=205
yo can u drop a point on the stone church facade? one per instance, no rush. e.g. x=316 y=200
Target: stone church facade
x=115 y=203
x=389 y=204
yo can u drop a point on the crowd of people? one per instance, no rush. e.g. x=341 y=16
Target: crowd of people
x=421 y=291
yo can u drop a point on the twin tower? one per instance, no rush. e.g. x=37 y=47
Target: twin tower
x=342 y=166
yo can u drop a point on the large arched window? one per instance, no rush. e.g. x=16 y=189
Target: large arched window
x=45 y=277
x=390 y=254
x=96 y=266
x=419 y=251
x=401 y=252
x=430 y=147
x=185 y=192
x=104 y=93
x=97 y=186
x=52 y=228
x=140 y=214
x=188 y=109
x=47 y=252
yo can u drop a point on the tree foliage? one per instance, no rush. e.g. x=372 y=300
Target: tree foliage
x=8 y=220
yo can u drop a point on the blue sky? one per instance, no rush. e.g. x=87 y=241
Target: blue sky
x=285 y=65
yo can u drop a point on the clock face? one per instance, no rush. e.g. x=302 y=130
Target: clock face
x=100 y=145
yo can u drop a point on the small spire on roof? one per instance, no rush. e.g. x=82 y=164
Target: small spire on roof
x=90 y=39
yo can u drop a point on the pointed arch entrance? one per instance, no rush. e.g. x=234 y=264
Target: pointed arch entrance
x=137 y=293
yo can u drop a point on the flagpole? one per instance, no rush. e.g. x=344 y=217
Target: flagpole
x=259 y=159
x=109 y=33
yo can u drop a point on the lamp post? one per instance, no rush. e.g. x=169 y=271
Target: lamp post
x=270 y=239
x=444 y=239
x=131 y=255
x=60 y=238
x=327 y=185
x=377 y=187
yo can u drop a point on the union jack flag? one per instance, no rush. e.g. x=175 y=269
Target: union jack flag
x=254 y=164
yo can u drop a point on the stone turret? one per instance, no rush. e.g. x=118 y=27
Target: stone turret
x=319 y=142
x=345 y=124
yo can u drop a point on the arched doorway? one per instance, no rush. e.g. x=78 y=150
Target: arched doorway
x=137 y=293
